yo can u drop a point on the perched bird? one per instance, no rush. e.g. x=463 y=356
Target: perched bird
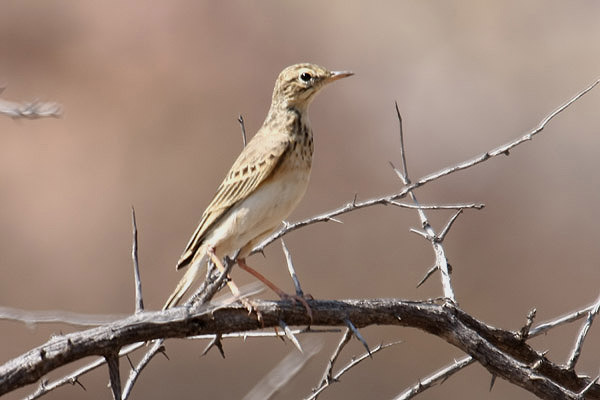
x=265 y=183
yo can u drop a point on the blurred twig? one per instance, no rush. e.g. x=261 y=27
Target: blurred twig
x=31 y=110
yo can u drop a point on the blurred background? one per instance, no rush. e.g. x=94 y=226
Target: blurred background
x=151 y=94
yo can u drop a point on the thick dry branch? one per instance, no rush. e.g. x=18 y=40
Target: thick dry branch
x=501 y=352
x=457 y=365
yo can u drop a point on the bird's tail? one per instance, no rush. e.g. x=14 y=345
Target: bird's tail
x=191 y=276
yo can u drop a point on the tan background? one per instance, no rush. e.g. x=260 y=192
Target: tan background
x=151 y=94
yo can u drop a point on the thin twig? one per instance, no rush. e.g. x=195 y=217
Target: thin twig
x=328 y=374
x=582 y=334
x=349 y=366
x=435 y=378
x=134 y=374
x=441 y=261
x=570 y=317
x=460 y=206
x=385 y=200
x=139 y=301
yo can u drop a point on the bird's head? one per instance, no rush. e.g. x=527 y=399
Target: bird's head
x=297 y=85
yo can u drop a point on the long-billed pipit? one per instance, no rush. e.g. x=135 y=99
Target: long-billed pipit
x=265 y=183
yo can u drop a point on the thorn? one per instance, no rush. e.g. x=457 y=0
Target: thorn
x=290 y=335
x=358 y=335
x=492 y=382
x=334 y=220
x=130 y=362
x=354 y=200
x=162 y=350
x=75 y=381
x=420 y=233
x=279 y=336
x=215 y=342
x=427 y=275
x=446 y=229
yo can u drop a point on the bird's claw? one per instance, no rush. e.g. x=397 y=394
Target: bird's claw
x=248 y=305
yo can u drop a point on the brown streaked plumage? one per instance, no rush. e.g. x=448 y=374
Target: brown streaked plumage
x=265 y=183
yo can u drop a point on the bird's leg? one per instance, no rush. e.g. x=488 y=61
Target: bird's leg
x=232 y=286
x=283 y=295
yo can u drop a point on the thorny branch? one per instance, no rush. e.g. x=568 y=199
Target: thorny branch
x=503 y=149
x=494 y=348
x=444 y=373
x=441 y=262
x=355 y=361
x=501 y=352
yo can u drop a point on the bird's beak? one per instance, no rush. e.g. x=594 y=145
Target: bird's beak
x=335 y=75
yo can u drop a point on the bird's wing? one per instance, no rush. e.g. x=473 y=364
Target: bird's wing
x=253 y=166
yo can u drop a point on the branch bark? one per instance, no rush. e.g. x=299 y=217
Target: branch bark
x=500 y=351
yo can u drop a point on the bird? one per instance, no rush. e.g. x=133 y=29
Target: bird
x=265 y=183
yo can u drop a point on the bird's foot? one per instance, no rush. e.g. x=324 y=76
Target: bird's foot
x=251 y=307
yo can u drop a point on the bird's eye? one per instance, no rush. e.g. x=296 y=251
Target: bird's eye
x=305 y=77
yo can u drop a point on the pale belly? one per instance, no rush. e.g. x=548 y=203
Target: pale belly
x=260 y=214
